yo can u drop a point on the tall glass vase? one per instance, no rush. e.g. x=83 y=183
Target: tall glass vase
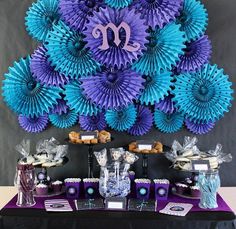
x=25 y=182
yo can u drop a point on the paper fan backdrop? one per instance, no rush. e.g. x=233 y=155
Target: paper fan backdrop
x=166 y=105
x=40 y=18
x=199 y=128
x=205 y=95
x=116 y=49
x=60 y=107
x=156 y=12
x=197 y=53
x=113 y=89
x=43 y=71
x=78 y=101
x=193 y=19
x=123 y=119
x=143 y=122
x=163 y=50
x=67 y=52
x=33 y=124
x=24 y=95
x=94 y=122
x=75 y=13
x=168 y=123
x=156 y=87
x=64 y=120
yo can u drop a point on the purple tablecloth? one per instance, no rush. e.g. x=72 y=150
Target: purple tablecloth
x=222 y=205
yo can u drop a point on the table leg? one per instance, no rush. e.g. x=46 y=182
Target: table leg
x=145 y=166
x=90 y=162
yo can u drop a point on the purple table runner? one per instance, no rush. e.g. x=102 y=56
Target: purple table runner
x=222 y=205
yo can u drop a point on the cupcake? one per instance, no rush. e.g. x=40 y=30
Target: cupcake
x=91 y=186
x=142 y=188
x=42 y=189
x=181 y=188
x=72 y=187
x=195 y=192
x=57 y=186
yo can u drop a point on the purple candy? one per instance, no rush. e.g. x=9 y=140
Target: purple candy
x=43 y=71
x=166 y=105
x=197 y=53
x=94 y=122
x=33 y=124
x=199 y=128
x=143 y=121
x=123 y=50
x=60 y=107
x=76 y=12
x=158 y=12
x=113 y=89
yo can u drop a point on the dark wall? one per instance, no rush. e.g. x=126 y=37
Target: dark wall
x=15 y=43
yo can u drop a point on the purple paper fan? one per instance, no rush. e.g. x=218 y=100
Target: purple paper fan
x=166 y=105
x=113 y=89
x=94 y=122
x=60 y=107
x=116 y=49
x=43 y=71
x=158 y=12
x=197 y=53
x=76 y=12
x=143 y=122
x=33 y=124
x=199 y=128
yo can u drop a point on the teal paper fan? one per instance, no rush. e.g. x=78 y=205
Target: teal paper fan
x=26 y=96
x=163 y=50
x=168 y=123
x=40 y=18
x=121 y=119
x=193 y=19
x=64 y=120
x=156 y=88
x=203 y=96
x=67 y=52
x=118 y=4
x=78 y=101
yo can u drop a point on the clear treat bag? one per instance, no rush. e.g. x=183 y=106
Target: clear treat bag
x=209 y=183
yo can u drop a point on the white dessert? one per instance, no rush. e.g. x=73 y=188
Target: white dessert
x=93 y=180
x=41 y=186
x=194 y=187
x=181 y=185
x=72 y=180
x=44 y=156
x=161 y=181
x=58 y=182
x=147 y=181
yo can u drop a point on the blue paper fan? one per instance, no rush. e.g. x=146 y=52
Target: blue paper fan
x=168 y=123
x=193 y=19
x=78 y=101
x=157 y=86
x=205 y=95
x=24 y=95
x=199 y=128
x=40 y=18
x=143 y=122
x=64 y=120
x=122 y=119
x=33 y=124
x=163 y=50
x=166 y=105
x=94 y=122
x=67 y=52
x=118 y=3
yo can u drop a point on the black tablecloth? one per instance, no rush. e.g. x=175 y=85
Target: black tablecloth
x=40 y=219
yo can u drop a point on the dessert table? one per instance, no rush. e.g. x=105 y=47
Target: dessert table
x=39 y=219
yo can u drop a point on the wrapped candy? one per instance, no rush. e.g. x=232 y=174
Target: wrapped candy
x=101 y=157
x=116 y=154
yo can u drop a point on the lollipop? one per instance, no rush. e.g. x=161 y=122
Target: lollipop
x=33 y=124
x=156 y=12
x=113 y=89
x=116 y=37
x=64 y=120
x=166 y=105
x=199 y=128
x=163 y=50
x=77 y=100
x=205 y=95
x=193 y=19
x=168 y=123
x=94 y=122
x=197 y=53
x=24 y=95
x=43 y=71
x=143 y=121
x=122 y=119
x=67 y=52
x=75 y=13
x=40 y=18
x=156 y=87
